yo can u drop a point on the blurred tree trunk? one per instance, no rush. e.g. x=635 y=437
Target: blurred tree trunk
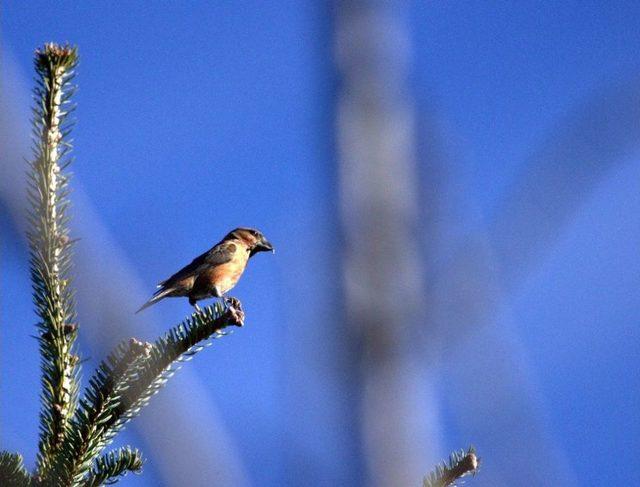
x=383 y=259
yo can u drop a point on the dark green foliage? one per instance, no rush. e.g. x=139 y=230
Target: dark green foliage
x=461 y=463
x=113 y=465
x=12 y=471
x=162 y=359
x=125 y=382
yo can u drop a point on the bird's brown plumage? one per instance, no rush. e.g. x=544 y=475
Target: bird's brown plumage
x=215 y=272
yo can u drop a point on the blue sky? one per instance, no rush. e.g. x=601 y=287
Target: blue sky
x=196 y=118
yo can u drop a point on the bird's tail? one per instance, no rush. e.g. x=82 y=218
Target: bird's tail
x=160 y=294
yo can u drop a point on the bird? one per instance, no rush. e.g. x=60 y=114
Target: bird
x=217 y=271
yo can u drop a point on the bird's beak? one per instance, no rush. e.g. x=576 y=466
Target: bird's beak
x=265 y=245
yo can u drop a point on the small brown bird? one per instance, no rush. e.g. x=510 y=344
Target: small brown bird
x=215 y=272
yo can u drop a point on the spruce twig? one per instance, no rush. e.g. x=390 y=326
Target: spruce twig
x=146 y=377
x=50 y=245
x=113 y=465
x=12 y=471
x=82 y=444
x=125 y=382
x=461 y=463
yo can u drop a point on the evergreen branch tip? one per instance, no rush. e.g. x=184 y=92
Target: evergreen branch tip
x=461 y=464
x=115 y=464
x=52 y=54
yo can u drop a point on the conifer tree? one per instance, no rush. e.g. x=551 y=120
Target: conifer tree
x=76 y=429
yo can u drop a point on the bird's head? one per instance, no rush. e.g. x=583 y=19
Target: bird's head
x=252 y=238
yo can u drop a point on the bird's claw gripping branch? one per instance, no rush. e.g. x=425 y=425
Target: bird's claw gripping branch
x=234 y=312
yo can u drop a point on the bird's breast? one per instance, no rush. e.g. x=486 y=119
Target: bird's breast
x=226 y=276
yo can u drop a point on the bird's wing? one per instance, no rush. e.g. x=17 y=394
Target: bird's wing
x=219 y=254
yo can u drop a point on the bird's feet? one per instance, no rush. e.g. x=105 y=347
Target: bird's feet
x=194 y=303
x=233 y=306
x=229 y=302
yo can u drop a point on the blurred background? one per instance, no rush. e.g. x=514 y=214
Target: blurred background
x=452 y=189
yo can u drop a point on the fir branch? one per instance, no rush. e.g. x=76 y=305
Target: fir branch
x=12 y=471
x=147 y=376
x=83 y=441
x=110 y=467
x=125 y=382
x=50 y=245
x=461 y=463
